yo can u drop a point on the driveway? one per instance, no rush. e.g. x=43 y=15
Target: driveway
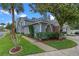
x=64 y=52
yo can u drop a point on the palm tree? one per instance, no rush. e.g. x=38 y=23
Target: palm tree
x=11 y=8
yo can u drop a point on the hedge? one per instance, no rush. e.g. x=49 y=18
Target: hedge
x=31 y=30
x=47 y=35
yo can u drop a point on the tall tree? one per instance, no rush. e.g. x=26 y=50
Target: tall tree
x=63 y=12
x=12 y=7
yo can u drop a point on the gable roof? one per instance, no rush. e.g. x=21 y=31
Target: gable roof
x=38 y=20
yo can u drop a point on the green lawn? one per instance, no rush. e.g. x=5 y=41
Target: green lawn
x=61 y=44
x=28 y=48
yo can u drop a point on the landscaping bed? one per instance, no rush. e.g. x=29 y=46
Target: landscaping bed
x=56 y=40
x=27 y=48
x=47 y=35
x=61 y=44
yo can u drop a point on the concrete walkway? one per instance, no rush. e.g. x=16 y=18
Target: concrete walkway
x=43 y=46
x=51 y=53
x=64 y=52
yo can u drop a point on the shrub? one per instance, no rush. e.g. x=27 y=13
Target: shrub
x=41 y=35
x=28 y=35
x=47 y=35
x=62 y=36
x=31 y=30
x=17 y=33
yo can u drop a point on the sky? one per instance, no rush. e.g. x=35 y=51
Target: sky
x=5 y=17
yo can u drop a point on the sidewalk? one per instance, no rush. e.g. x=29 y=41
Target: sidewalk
x=54 y=52
x=41 y=45
x=64 y=52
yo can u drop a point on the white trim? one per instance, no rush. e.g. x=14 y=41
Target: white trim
x=40 y=27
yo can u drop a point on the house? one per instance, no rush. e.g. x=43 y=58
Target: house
x=66 y=28
x=39 y=25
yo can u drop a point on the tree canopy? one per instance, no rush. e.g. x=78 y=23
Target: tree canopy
x=2 y=23
x=9 y=26
x=63 y=12
x=18 y=7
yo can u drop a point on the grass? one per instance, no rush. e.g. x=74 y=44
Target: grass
x=28 y=48
x=61 y=44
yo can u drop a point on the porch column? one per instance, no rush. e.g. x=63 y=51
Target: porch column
x=40 y=27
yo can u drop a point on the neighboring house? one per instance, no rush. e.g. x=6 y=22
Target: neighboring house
x=39 y=25
x=66 y=28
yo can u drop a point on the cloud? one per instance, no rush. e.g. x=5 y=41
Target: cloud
x=22 y=15
x=4 y=12
x=7 y=13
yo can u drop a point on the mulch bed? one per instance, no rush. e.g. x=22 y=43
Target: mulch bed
x=15 y=50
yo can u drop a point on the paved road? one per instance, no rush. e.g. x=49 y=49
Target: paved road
x=64 y=52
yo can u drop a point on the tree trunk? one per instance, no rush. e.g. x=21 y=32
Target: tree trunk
x=13 y=25
x=51 y=27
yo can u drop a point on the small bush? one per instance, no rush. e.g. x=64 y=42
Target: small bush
x=29 y=35
x=62 y=36
x=17 y=33
x=46 y=35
